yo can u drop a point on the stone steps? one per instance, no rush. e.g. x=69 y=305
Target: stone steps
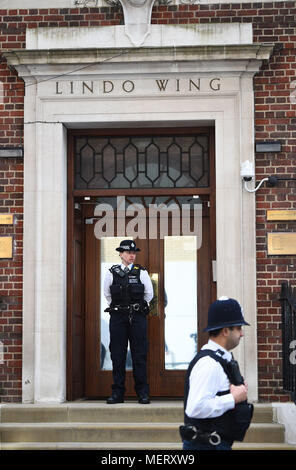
x=96 y=425
x=157 y=411
x=119 y=432
x=132 y=446
x=94 y=412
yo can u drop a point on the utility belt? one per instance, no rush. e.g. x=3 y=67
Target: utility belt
x=129 y=309
x=230 y=426
x=193 y=434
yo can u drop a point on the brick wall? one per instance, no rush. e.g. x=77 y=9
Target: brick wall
x=275 y=119
x=11 y=201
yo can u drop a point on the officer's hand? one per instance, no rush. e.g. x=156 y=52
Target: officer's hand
x=239 y=392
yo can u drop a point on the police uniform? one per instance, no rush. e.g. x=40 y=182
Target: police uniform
x=128 y=290
x=212 y=419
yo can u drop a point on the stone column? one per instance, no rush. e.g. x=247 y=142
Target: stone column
x=50 y=263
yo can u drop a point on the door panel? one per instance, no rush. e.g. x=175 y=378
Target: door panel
x=184 y=295
x=76 y=359
x=174 y=326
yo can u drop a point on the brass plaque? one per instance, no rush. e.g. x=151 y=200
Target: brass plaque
x=281 y=243
x=5 y=247
x=281 y=215
x=6 y=219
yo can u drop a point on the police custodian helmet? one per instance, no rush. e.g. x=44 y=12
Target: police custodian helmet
x=223 y=313
x=127 y=245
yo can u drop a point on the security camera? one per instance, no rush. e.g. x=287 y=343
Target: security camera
x=248 y=174
x=247 y=171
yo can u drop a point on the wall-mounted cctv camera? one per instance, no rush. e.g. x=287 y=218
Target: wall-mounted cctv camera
x=248 y=174
x=247 y=170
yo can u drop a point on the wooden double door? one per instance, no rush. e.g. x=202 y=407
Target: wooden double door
x=180 y=267
x=162 y=167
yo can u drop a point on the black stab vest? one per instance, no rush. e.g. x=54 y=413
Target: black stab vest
x=127 y=288
x=233 y=424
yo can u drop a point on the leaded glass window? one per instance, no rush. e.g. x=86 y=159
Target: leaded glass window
x=158 y=161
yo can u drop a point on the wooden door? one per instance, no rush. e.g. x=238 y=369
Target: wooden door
x=185 y=292
x=75 y=299
x=182 y=277
x=138 y=163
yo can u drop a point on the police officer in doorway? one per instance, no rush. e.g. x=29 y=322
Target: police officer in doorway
x=128 y=290
x=215 y=402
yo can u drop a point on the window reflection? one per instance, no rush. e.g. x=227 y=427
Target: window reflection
x=180 y=300
x=108 y=258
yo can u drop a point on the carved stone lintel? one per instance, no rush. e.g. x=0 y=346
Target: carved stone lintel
x=137 y=19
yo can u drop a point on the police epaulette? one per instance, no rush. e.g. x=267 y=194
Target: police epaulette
x=139 y=266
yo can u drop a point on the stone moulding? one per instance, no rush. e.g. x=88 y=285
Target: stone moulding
x=160 y=36
x=250 y=52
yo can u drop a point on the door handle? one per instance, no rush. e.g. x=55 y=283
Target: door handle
x=214 y=270
x=154 y=304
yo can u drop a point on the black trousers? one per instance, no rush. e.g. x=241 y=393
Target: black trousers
x=122 y=330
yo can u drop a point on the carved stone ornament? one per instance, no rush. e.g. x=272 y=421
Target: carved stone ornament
x=137 y=19
x=188 y=2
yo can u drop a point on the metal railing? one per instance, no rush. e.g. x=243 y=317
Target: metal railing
x=288 y=301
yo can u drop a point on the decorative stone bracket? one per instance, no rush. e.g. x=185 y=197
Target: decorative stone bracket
x=137 y=19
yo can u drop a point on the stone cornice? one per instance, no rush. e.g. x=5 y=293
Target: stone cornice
x=249 y=52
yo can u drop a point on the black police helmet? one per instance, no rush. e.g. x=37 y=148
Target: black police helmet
x=223 y=313
x=127 y=245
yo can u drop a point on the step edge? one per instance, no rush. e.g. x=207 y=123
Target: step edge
x=142 y=445
x=6 y=426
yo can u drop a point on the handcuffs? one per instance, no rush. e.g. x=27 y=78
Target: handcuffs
x=191 y=433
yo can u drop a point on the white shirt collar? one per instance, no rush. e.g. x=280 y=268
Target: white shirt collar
x=129 y=266
x=215 y=346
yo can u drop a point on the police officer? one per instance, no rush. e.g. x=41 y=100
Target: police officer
x=216 y=410
x=128 y=290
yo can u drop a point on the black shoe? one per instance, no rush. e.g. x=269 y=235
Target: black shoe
x=114 y=399
x=144 y=400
